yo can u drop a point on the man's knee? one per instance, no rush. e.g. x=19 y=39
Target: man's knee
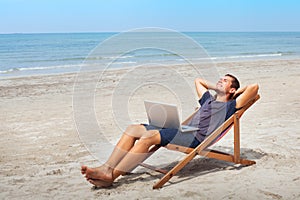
x=151 y=137
x=135 y=130
x=133 y=127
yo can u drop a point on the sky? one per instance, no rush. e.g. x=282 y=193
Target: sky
x=48 y=16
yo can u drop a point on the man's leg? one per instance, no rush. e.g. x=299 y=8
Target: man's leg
x=126 y=142
x=137 y=154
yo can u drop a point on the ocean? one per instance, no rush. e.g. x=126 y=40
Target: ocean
x=52 y=53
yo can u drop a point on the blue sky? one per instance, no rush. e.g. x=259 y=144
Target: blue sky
x=27 y=16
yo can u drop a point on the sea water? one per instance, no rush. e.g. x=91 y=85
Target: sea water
x=48 y=53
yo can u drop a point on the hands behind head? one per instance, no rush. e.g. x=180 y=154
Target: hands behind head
x=238 y=92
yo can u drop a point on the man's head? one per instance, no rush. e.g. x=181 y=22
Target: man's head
x=234 y=81
x=228 y=85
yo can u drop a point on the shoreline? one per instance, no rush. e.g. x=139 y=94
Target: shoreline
x=41 y=152
x=212 y=62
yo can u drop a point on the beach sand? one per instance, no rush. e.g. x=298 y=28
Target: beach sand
x=41 y=152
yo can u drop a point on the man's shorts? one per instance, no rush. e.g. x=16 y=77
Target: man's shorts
x=174 y=136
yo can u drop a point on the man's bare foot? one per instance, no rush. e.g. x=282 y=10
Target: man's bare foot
x=100 y=183
x=103 y=173
x=83 y=169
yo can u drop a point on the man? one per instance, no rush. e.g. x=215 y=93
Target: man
x=133 y=146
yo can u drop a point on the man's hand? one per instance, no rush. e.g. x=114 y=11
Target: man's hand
x=238 y=92
x=202 y=86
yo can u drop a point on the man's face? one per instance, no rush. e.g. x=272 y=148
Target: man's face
x=224 y=85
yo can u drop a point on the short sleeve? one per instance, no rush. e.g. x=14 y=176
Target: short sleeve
x=230 y=106
x=206 y=96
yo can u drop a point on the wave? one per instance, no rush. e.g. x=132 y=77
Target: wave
x=240 y=56
x=74 y=59
x=71 y=68
x=17 y=69
x=107 y=57
x=53 y=60
x=248 y=56
x=235 y=57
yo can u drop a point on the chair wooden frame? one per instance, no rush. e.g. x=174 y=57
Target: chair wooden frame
x=202 y=149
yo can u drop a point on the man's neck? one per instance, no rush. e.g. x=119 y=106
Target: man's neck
x=221 y=97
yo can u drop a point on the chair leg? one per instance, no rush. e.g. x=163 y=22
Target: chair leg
x=175 y=169
x=236 y=126
x=225 y=157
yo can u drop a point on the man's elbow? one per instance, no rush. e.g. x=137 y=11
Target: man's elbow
x=198 y=80
x=254 y=88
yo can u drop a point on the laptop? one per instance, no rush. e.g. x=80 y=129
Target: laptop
x=163 y=115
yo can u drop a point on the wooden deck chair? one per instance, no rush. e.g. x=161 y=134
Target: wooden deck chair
x=202 y=149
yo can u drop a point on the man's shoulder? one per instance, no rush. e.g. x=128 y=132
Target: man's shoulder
x=206 y=96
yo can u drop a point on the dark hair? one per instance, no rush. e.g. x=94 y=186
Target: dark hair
x=234 y=82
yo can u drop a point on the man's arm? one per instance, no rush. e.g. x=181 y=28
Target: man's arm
x=202 y=86
x=244 y=95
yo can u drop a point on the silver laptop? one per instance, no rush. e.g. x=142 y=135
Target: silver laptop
x=163 y=115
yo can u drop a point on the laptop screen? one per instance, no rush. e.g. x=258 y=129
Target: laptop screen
x=162 y=115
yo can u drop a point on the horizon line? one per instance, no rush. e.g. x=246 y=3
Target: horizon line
x=73 y=32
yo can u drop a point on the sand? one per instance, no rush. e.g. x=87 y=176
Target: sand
x=41 y=151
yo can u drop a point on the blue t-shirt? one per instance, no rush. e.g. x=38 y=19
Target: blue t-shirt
x=211 y=115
